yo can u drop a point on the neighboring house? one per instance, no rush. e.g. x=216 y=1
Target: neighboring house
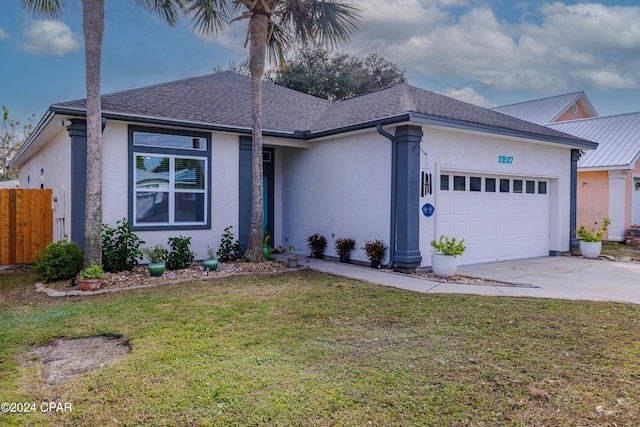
x=609 y=177
x=402 y=164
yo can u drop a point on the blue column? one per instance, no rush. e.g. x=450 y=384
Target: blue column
x=407 y=256
x=78 y=133
x=245 y=168
x=575 y=156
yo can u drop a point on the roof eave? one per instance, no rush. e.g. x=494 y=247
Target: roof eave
x=44 y=121
x=464 y=125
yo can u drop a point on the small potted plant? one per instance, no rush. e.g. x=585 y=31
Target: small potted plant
x=292 y=259
x=375 y=252
x=266 y=249
x=211 y=262
x=317 y=243
x=90 y=278
x=344 y=246
x=157 y=257
x=591 y=240
x=444 y=262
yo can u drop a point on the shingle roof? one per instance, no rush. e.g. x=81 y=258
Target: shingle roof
x=618 y=139
x=404 y=98
x=222 y=99
x=546 y=110
x=214 y=99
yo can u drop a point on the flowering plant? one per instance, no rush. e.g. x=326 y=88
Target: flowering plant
x=345 y=245
x=594 y=235
x=375 y=250
x=317 y=244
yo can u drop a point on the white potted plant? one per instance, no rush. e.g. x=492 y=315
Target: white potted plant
x=591 y=240
x=444 y=262
x=292 y=260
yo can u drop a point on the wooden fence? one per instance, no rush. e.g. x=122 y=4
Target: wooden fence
x=26 y=224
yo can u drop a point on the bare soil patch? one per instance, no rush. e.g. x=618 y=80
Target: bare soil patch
x=65 y=359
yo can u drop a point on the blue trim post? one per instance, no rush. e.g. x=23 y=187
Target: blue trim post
x=407 y=257
x=78 y=134
x=573 y=207
x=244 y=188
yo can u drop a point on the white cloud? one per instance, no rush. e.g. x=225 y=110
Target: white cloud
x=50 y=38
x=467 y=94
x=3 y=34
x=568 y=46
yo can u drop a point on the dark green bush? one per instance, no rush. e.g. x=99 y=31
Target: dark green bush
x=120 y=247
x=229 y=248
x=61 y=260
x=180 y=256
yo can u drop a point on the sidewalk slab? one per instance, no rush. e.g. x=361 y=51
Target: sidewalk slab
x=573 y=278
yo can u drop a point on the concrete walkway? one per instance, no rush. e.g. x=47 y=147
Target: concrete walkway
x=561 y=277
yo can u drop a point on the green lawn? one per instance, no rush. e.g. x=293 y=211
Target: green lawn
x=310 y=349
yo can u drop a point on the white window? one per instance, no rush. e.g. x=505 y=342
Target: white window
x=169 y=189
x=170 y=179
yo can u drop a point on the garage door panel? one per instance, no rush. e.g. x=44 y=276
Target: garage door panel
x=496 y=225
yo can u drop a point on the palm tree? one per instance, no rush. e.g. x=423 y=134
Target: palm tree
x=273 y=25
x=93 y=28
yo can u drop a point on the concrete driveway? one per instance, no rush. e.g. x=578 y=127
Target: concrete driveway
x=564 y=277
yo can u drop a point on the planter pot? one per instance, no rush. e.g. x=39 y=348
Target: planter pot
x=590 y=249
x=156 y=269
x=344 y=258
x=292 y=261
x=444 y=265
x=88 y=284
x=210 y=264
x=266 y=253
x=375 y=263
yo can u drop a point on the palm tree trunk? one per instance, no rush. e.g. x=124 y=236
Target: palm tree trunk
x=258 y=27
x=93 y=26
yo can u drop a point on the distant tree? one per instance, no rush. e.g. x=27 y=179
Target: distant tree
x=334 y=77
x=12 y=135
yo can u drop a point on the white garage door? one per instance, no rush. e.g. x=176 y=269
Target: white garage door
x=499 y=217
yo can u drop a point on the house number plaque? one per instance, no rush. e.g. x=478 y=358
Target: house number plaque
x=505 y=159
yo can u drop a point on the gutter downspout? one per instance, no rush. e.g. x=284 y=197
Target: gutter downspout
x=392 y=226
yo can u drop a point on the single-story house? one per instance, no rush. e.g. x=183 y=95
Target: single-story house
x=609 y=177
x=403 y=165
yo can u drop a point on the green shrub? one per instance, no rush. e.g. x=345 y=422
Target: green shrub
x=120 y=247
x=61 y=260
x=446 y=246
x=180 y=256
x=92 y=272
x=229 y=247
x=156 y=254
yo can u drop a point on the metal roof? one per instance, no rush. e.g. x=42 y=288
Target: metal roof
x=546 y=110
x=618 y=139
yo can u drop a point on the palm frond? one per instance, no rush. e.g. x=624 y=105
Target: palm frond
x=209 y=16
x=45 y=8
x=167 y=10
x=325 y=21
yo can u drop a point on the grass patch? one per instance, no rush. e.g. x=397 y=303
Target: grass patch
x=310 y=349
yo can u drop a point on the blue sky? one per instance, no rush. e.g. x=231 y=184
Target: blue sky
x=488 y=52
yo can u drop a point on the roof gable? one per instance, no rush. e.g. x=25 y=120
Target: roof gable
x=549 y=110
x=618 y=139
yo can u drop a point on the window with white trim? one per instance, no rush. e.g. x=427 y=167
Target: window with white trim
x=170 y=184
